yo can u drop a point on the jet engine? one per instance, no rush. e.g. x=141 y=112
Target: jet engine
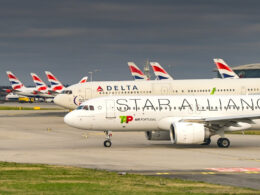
x=158 y=135
x=188 y=133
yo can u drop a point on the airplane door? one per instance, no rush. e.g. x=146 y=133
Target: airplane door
x=161 y=89
x=243 y=90
x=110 y=109
x=88 y=93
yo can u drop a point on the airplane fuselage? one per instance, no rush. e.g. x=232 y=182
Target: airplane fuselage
x=78 y=93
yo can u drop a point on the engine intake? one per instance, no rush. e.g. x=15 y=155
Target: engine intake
x=188 y=133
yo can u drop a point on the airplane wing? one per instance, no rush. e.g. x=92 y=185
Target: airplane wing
x=223 y=119
x=230 y=123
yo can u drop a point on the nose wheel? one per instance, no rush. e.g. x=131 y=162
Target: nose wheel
x=223 y=142
x=107 y=142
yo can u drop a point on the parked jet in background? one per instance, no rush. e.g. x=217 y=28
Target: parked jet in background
x=19 y=88
x=83 y=80
x=224 y=70
x=159 y=72
x=56 y=86
x=41 y=87
x=136 y=72
x=181 y=119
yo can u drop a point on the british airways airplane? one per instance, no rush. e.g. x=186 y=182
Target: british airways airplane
x=180 y=119
x=56 y=86
x=41 y=87
x=19 y=88
x=136 y=72
x=159 y=71
x=224 y=70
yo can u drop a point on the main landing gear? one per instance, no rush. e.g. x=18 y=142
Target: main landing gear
x=206 y=142
x=107 y=142
x=223 y=142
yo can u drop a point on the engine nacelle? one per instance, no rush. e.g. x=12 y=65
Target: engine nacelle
x=188 y=133
x=158 y=135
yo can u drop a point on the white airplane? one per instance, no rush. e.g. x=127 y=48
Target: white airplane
x=180 y=119
x=159 y=71
x=41 y=87
x=74 y=95
x=224 y=70
x=136 y=72
x=19 y=88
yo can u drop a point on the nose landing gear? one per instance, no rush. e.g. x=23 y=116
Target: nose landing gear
x=107 y=142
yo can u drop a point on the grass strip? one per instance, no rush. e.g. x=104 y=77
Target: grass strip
x=46 y=179
x=247 y=132
x=25 y=108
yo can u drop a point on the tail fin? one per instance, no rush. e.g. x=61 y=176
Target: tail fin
x=224 y=70
x=56 y=85
x=136 y=72
x=15 y=82
x=40 y=85
x=83 y=80
x=159 y=72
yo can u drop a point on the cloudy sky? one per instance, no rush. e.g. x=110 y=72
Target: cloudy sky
x=71 y=38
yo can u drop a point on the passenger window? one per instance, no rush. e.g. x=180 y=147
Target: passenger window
x=91 y=107
x=85 y=108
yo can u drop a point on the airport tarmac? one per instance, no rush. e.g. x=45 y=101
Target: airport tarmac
x=39 y=136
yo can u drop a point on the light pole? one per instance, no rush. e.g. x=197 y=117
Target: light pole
x=90 y=76
x=91 y=73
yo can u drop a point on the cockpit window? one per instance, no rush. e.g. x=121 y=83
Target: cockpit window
x=85 y=107
x=80 y=107
x=66 y=92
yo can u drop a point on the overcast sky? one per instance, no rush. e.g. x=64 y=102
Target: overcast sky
x=71 y=38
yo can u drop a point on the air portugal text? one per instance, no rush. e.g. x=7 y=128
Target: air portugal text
x=194 y=104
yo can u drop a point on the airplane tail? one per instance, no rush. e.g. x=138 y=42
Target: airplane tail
x=83 y=80
x=136 y=72
x=56 y=85
x=159 y=72
x=40 y=85
x=224 y=70
x=15 y=82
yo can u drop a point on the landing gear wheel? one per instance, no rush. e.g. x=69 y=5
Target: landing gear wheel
x=206 y=142
x=223 y=142
x=107 y=143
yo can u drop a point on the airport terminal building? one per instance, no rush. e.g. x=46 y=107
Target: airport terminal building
x=247 y=71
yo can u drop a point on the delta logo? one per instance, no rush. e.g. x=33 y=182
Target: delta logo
x=99 y=89
x=118 y=87
x=126 y=119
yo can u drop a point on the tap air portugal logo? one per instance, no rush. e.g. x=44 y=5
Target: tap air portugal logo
x=118 y=87
x=126 y=119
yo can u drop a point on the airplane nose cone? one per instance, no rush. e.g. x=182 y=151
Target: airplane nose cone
x=57 y=99
x=69 y=119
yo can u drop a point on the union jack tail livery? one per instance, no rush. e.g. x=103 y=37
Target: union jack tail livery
x=56 y=85
x=15 y=82
x=159 y=72
x=40 y=85
x=224 y=70
x=136 y=72
x=83 y=80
